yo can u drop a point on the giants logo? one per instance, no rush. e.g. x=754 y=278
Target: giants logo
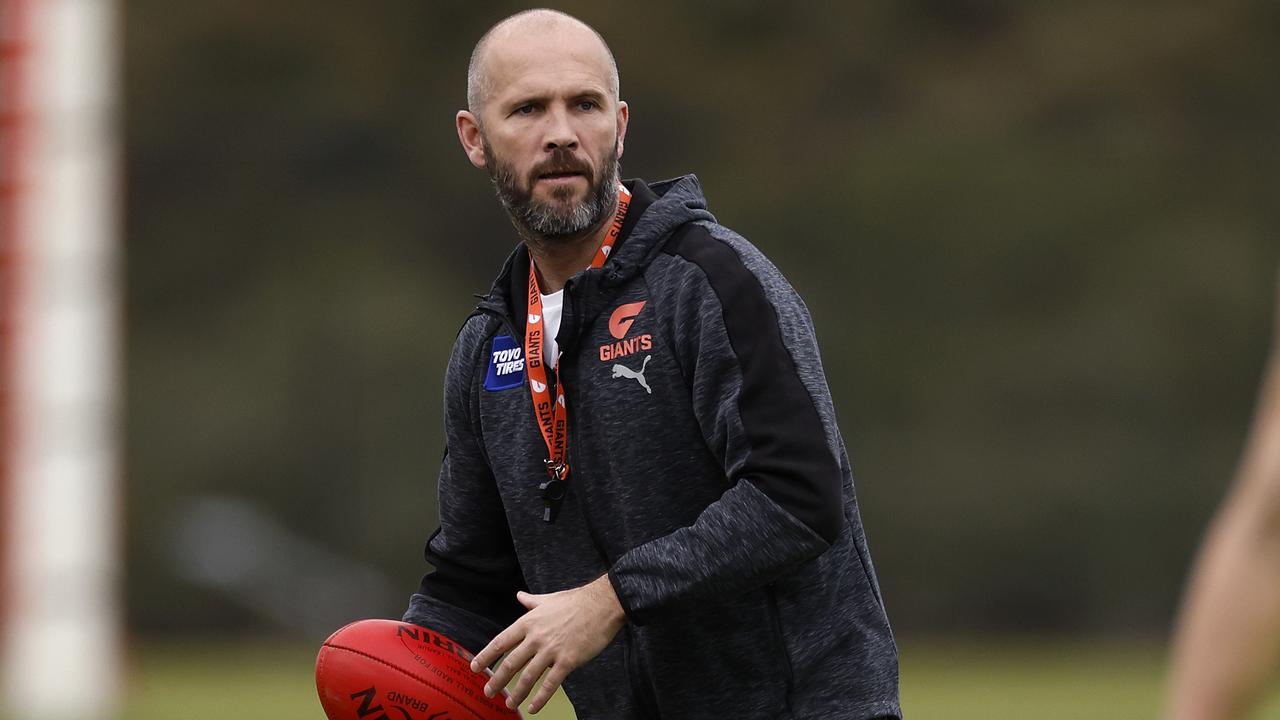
x=619 y=323
x=621 y=319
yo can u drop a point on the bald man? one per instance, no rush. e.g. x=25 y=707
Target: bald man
x=644 y=496
x=1227 y=644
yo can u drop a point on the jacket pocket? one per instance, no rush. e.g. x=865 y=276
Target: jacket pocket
x=780 y=645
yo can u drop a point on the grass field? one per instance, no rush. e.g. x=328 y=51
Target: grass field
x=940 y=680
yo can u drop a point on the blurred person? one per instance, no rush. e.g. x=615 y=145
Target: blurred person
x=644 y=493
x=1227 y=641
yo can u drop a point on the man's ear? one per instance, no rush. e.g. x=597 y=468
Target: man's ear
x=469 y=136
x=623 y=114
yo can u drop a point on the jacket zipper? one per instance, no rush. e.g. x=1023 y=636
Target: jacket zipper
x=582 y=501
x=582 y=496
x=646 y=704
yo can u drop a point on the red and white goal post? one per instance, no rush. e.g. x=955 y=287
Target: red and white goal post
x=61 y=620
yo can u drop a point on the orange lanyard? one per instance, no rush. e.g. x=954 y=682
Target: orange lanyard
x=552 y=416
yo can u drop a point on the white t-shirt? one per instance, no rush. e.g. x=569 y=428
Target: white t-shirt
x=552 y=305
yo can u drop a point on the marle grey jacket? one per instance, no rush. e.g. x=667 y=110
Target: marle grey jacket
x=716 y=493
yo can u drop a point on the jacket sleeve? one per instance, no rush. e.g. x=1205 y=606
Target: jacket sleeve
x=470 y=596
x=747 y=347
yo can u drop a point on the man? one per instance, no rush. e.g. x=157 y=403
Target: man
x=1228 y=639
x=644 y=493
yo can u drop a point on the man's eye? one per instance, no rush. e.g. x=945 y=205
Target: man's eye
x=586 y=105
x=525 y=109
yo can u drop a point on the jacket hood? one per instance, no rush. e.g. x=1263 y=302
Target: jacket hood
x=656 y=211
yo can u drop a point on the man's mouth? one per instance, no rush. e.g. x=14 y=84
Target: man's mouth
x=559 y=175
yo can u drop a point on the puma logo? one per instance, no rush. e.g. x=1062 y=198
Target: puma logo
x=620 y=370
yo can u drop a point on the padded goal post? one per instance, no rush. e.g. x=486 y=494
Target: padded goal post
x=60 y=539
x=13 y=55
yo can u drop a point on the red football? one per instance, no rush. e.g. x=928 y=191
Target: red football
x=387 y=670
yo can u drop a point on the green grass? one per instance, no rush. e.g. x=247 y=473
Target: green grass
x=221 y=681
x=1040 y=679
x=1045 y=680
x=1031 y=680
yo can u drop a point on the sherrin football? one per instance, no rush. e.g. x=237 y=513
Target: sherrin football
x=388 y=670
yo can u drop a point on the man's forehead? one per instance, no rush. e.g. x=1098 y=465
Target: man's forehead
x=566 y=55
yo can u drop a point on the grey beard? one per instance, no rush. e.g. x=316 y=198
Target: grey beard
x=548 y=220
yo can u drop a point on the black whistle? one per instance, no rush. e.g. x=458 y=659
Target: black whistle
x=552 y=495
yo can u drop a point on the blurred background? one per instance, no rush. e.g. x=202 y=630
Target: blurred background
x=1039 y=240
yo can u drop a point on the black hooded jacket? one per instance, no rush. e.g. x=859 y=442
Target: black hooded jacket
x=709 y=480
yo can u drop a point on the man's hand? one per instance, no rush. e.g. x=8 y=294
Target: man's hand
x=561 y=632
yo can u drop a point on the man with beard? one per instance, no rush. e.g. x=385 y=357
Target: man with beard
x=644 y=494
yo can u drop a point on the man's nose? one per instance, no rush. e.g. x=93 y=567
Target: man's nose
x=561 y=133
